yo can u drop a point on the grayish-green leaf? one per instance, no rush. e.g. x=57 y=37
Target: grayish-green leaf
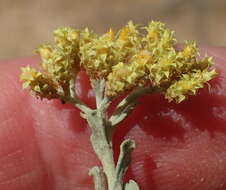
x=126 y=148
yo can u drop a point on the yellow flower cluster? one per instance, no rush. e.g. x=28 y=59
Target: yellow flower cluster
x=163 y=66
x=162 y=71
x=97 y=55
x=158 y=40
x=126 y=59
x=125 y=76
x=59 y=64
x=128 y=42
x=40 y=85
x=188 y=85
x=158 y=44
x=67 y=39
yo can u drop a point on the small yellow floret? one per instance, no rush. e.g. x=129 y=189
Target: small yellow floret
x=40 y=85
x=159 y=39
x=59 y=65
x=164 y=70
x=45 y=52
x=126 y=76
x=67 y=38
x=129 y=41
x=97 y=56
x=190 y=50
x=188 y=85
x=110 y=34
x=86 y=36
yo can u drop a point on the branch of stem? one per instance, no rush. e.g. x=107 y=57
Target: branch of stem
x=101 y=137
x=127 y=104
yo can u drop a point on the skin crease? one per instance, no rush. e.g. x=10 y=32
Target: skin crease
x=44 y=145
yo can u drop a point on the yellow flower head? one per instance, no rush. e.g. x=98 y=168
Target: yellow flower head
x=128 y=42
x=163 y=71
x=188 y=85
x=159 y=39
x=126 y=76
x=190 y=50
x=39 y=84
x=125 y=60
x=67 y=38
x=97 y=55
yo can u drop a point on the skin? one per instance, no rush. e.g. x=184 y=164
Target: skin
x=45 y=145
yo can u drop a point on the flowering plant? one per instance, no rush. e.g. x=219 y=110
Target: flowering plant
x=130 y=62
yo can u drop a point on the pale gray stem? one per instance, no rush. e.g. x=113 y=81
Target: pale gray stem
x=102 y=102
x=76 y=101
x=132 y=98
x=72 y=88
x=102 y=131
x=116 y=119
x=72 y=97
x=99 y=86
x=99 y=178
x=101 y=140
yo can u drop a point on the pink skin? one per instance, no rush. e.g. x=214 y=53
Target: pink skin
x=44 y=145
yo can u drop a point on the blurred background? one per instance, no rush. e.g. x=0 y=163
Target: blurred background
x=25 y=24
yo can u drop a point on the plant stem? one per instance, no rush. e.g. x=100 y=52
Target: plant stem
x=99 y=178
x=101 y=140
x=127 y=104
